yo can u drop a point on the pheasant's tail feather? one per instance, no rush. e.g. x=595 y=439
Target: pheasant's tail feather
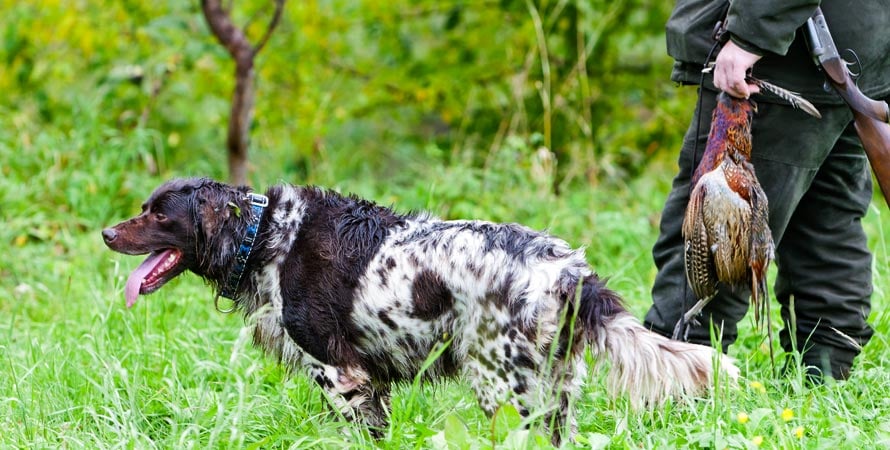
x=795 y=99
x=760 y=253
x=759 y=297
x=762 y=318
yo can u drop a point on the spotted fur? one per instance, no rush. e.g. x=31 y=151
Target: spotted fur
x=361 y=296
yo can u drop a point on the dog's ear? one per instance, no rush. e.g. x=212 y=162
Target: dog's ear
x=218 y=204
x=219 y=209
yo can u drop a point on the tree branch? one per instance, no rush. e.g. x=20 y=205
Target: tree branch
x=230 y=36
x=276 y=17
x=235 y=41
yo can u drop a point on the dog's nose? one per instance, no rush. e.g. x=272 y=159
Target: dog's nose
x=109 y=234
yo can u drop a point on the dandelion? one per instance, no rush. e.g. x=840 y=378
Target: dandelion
x=757 y=440
x=742 y=418
x=758 y=386
x=787 y=414
x=798 y=432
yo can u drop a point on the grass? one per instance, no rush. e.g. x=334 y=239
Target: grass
x=80 y=370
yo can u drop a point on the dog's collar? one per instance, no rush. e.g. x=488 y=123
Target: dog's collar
x=258 y=204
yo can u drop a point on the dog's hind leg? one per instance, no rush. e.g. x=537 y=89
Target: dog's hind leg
x=500 y=369
x=351 y=393
x=564 y=388
x=510 y=369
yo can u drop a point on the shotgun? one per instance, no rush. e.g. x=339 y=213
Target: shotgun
x=870 y=117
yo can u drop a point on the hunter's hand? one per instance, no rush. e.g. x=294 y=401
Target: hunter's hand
x=730 y=68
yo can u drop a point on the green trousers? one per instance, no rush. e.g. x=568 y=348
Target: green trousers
x=817 y=179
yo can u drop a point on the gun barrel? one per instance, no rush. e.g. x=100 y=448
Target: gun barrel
x=816 y=47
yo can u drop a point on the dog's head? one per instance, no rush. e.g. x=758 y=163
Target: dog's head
x=189 y=224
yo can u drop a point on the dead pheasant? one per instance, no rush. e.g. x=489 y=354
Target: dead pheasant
x=726 y=232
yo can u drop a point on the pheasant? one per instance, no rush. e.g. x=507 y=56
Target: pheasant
x=725 y=229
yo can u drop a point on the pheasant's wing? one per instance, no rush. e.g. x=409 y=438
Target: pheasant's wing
x=699 y=262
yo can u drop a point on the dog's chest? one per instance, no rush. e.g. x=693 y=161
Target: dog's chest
x=271 y=311
x=264 y=310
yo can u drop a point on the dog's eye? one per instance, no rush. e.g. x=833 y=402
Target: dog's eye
x=160 y=217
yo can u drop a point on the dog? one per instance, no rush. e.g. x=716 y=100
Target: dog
x=362 y=296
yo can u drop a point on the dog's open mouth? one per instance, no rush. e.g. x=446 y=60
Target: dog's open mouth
x=160 y=267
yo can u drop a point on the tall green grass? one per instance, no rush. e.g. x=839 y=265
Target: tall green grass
x=80 y=370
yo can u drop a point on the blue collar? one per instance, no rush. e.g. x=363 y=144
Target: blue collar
x=258 y=203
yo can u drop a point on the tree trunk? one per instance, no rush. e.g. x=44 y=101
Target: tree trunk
x=235 y=41
x=238 y=138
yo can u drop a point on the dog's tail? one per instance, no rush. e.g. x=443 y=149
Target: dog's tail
x=647 y=366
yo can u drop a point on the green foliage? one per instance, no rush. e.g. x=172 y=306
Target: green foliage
x=359 y=87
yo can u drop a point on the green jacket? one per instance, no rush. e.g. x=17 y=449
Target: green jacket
x=774 y=29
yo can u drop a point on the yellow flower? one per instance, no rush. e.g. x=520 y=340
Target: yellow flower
x=798 y=432
x=742 y=418
x=787 y=414
x=421 y=94
x=757 y=440
x=173 y=139
x=758 y=386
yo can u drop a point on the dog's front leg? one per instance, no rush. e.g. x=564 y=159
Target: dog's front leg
x=350 y=391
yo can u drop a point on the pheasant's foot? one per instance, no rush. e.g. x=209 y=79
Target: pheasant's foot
x=683 y=326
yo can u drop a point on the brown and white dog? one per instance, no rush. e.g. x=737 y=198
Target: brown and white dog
x=361 y=296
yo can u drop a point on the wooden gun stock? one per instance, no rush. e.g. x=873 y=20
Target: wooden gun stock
x=871 y=117
x=875 y=138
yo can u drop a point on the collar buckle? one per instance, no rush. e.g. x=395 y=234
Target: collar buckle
x=258 y=200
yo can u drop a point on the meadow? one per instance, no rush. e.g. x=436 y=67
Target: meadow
x=83 y=142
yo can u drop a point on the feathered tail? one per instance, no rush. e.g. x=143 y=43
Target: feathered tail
x=795 y=99
x=647 y=366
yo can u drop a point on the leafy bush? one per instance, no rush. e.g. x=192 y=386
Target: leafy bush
x=351 y=89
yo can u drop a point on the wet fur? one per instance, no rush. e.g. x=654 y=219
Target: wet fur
x=361 y=296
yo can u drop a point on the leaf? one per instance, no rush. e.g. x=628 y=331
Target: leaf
x=505 y=420
x=758 y=415
x=594 y=441
x=517 y=439
x=454 y=436
x=236 y=209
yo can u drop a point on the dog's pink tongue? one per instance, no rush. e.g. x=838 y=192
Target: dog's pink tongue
x=134 y=283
